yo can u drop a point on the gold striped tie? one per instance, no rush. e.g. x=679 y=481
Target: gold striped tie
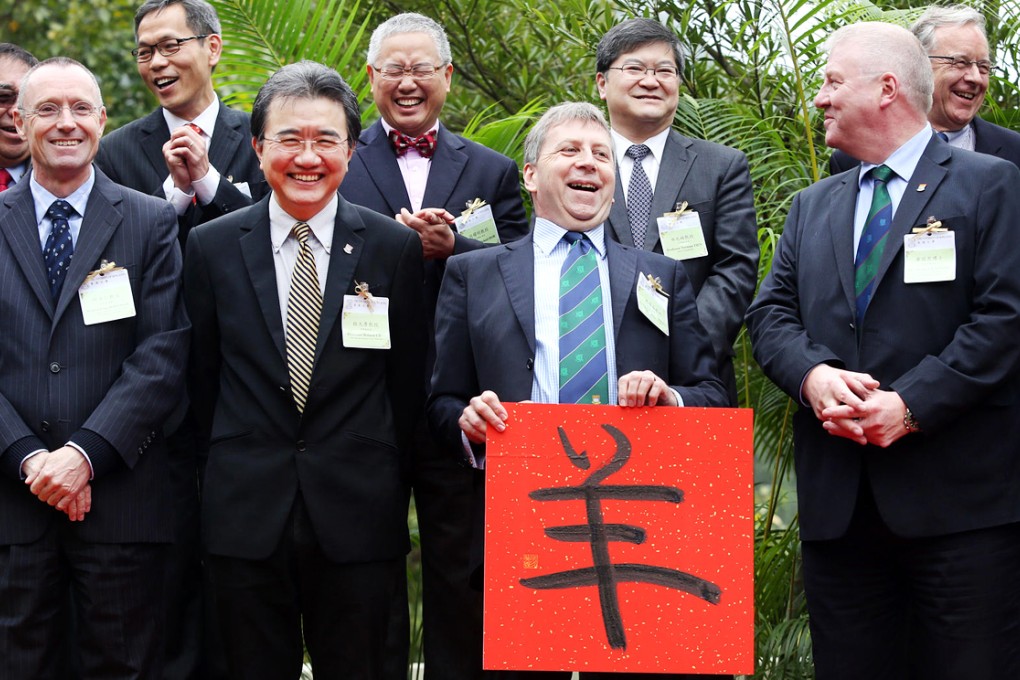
x=304 y=307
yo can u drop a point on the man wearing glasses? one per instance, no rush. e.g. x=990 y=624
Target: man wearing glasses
x=92 y=365
x=14 y=163
x=307 y=357
x=661 y=172
x=954 y=38
x=409 y=165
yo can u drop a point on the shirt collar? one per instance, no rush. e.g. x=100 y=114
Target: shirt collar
x=78 y=198
x=547 y=234
x=388 y=128
x=321 y=224
x=903 y=161
x=656 y=143
x=205 y=120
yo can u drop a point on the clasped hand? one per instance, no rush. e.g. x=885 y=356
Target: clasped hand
x=851 y=405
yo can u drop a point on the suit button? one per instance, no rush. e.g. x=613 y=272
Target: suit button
x=530 y=364
x=45 y=426
x=300 y=444
x=54 y=367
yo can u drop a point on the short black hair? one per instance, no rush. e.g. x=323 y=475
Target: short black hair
x=199 y=15
x=632 y=34
x=18 y=53
x=306 y=80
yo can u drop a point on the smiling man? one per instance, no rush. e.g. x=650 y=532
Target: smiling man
x=639 y=65
x=307 y=360
x=14 y=156
x=499 y=314
x=954 y=38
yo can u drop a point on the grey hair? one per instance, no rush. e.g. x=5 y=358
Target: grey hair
x=410 y=22
x=580 y=112
x=199 y=15
x=936 y=17
x=65 y=62
x=881 y=47
x=306 y=80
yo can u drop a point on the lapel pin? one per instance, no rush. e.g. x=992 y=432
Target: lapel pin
x=921 y=187
x=348 y=249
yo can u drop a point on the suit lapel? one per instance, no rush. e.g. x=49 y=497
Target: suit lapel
x=517 y=265
x=677 y=159
x=622 y=272
x=346 y=231
x=381 y=164
x=21 y=230
x=155 y=134
x=841 y=230
x=257 y=252
x=227 y=139
x=619 y=223
x=447 y=166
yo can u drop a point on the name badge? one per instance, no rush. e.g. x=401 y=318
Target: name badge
x=365 y=322
x=106 y=295
x=681 y=235
x=653 y=302
x=478 y=224
x=929 y=257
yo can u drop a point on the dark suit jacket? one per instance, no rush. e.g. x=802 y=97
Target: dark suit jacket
x=346 y=454
x=988 y=138
x=107 y=386
x=715 y=181
x=948 y=349
x=133 y=156
x=485 y=334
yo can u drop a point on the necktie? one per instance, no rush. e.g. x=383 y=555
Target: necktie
x=583 y=370
x=943 y=136
x=873 y=238
x=59 y=248
x=304 y=307
x=5 y=179
x=426 y=144
x=639 y=195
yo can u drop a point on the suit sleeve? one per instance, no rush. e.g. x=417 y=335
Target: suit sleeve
x=228 y=198
x=406 y=358
x=454 y=378
x=693 y=372
x=507 y=211
x=151 y=380
x=729 y=286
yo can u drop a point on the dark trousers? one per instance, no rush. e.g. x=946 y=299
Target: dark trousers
x=264 y=606
x=115 y=596
x=565 y=675
x=885 y=607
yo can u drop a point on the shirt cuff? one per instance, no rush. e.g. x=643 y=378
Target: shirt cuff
x=206 y=187
x=92 y=471
x=17 y=453
x=477 y=462
x=180 y=200
x=679 y=399
x=101 y=456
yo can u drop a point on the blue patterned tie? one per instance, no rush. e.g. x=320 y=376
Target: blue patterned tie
x=59 y=249
x=584 y=375
x=639 y=195
x=873 y=238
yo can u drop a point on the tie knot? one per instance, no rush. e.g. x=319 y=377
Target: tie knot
x=638 y=152
x=60 y=210
x=301 y=230
x=943 y=136
x=882 y=173
x=579 y=237
x=195 y=127
x=425 y=144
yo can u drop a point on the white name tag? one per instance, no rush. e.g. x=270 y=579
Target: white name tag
x=929 y=257
x=365 y=324
x=479 y=225
x=106 y=297
x=653 y=303
x=681 y=236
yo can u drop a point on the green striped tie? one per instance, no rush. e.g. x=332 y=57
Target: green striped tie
x=583 y=369
x=304 y=307
x=873 y=238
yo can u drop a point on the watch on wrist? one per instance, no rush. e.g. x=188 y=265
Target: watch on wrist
x=910 y=422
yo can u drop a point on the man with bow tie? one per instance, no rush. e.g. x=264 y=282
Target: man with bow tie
x=410 y=166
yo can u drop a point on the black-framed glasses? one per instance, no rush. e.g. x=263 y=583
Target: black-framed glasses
x=961 y=63
x=323 y=146
x=8 y=96
x=167 y=48
x=638 y=71
x=49 y=110
x=416 y=72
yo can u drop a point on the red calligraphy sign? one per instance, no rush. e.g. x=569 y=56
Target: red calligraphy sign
x=620 y=540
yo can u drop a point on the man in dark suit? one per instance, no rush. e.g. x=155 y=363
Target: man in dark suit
x=639 y=63
x=905 y=360
x=425 y=185
x=307 y=414
x=14 y=157
x=954 y=38
x=93 y=362
x=498 y=319
x=192 y=150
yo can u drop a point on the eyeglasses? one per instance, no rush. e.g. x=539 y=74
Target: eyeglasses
x=167 y=48
x=323 y=146
x=638 y=71
x=8 y=96
x=49 y=110
x=416 y=72
x=960 y=63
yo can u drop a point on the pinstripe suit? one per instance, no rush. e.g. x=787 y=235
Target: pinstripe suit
x=61 y=379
